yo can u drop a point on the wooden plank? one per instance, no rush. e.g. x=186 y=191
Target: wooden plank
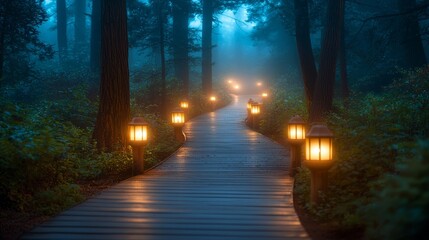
x=226 y=182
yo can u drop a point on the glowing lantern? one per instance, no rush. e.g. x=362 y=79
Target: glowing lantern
x=255 y=108
x=178 y=117
x=184 y=104
x=212 y=99
x=138 y=131
x=318 y=158
x=318 y=145
x=138 y=137
x=264 y=94
x=296 y=129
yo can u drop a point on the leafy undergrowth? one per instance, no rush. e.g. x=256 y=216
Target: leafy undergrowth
x=378 y=184
x=48 y=159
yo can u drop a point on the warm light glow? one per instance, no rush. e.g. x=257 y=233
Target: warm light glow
x=138 y=131
x=296 y=131
x=264 y=95
x=249 y=105
x=237 y=87
x=177 y=117
x=259 y=84
x=255 y=109
x=213 y=98
x=184 y=104
x=318 y=149
x=230 y=82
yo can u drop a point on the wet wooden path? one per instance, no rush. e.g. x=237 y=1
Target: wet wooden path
x=226 y=182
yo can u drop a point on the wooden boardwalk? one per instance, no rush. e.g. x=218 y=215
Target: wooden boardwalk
x=226 y=182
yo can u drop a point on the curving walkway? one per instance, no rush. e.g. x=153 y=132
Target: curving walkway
x=226 y=182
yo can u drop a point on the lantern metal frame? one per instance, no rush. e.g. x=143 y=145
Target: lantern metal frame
x=296 y=137
x=138 y=145
x=184 y=104
x=138 y=122
x=318 y=134
x=178 y=117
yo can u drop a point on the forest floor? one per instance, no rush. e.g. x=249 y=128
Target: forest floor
x=15 y=223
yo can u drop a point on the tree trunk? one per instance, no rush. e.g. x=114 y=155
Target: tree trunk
x=181 y=43
x=62 y=30
x=410 y=38
x=1 y=54
x=161 y=27
x=114 y=110
x=305 y=51
x=79 y=28
x=207 y=46
x=95 y=36
x=324 y=88
x=345 y=92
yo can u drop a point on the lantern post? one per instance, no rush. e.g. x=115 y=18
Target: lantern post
x=138 y=138
x=178 y=121
x=296 y=138
x=318 y=158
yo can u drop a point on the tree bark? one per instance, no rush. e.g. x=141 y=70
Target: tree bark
x=345 y=92
x=410 y=38
x=207 y=46
x=95 y=36
x=324 y=88
x=181 y=43
x=62 y=30
x=305 y=50
x=114 y=110
x=79 y=27
x=161 y=28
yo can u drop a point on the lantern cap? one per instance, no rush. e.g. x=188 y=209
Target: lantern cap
x=297 y=120
x=319 y=130
x=137 y=121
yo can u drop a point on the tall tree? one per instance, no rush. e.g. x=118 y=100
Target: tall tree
x=160 y=5
x=324 y=87
x=180 y=36
x=114 y=108
x=413 y=54
x=95 y=43
x=62 y=29
x=342 y=58
x=305 y=50
x=207 y=70
x=79 y=27
x=19 y=22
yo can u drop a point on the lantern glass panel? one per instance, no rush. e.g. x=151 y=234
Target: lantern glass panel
x=255 y=109
x=138 y=133
x=318 y=149
x=296 y=131
x=177 y=118
x=184 y=104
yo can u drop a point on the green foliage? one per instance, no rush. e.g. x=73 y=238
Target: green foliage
x=371 y=135
x=55 y=199
x=283 y=104
x=400 y=209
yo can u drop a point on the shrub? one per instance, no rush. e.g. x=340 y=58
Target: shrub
x=370 y=137
x=400 y=209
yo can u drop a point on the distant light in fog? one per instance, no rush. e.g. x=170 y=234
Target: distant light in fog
x=237 y=87
x=259 y=84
